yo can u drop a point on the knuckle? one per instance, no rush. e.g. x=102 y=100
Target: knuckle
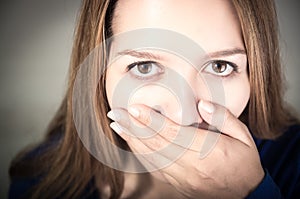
x=170 y=129
x=169 y=132
x=222 y=152
x=244 y=127
x=156 y=143
x=145 y=118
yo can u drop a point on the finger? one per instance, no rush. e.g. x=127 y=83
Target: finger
x=158 y=150
x=153 y=119
x=134 y=127
x=225 y=121
x=161 y=164
x=151 y=158
x=165 y=141
x=154 y=146
x=169 y=163
x=171 y=133
x=184 y=136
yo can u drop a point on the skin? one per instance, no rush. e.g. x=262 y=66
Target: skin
x=215 y=27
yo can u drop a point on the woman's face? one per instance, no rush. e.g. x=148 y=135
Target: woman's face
x=168 y=82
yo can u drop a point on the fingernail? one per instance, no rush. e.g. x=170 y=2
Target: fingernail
x=114 y=115
x=207 y=106
x=134 y=111
x=116 y=127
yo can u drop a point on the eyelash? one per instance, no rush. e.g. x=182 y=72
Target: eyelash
x=161 y=68
x=135 y=64
x=235 y=68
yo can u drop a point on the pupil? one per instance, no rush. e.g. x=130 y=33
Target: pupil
x=144 y=68
x=219 y=67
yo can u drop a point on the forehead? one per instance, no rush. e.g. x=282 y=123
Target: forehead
x=213 y=24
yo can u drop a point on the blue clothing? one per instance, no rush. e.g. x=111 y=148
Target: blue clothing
x=280 y=159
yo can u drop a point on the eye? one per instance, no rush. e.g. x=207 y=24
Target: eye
x=145 y=69
x=220 y=68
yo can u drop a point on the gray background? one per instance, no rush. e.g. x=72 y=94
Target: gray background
x=35 y=46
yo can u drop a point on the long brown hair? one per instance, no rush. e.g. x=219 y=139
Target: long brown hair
x=68 y=167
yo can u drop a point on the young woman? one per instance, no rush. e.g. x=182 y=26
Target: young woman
x=162 y=99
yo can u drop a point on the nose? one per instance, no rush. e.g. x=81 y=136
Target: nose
x=184 y=88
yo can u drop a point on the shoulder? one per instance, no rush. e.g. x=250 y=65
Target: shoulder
x=27 y=159
x=291 y=135
x=30 y=167
x=287 y=145
x=281 y=158
x=281 y=150
x=27 y=168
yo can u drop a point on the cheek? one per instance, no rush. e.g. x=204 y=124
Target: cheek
x=110 y=85
x=122 y=91
x=237 y=95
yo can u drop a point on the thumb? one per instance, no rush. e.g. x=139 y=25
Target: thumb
x=221 y=118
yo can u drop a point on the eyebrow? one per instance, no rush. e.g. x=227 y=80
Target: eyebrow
x=226 y=53
x=149 y=55
x=140 y=54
